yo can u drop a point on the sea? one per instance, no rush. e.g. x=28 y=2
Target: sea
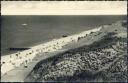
x=24 y=31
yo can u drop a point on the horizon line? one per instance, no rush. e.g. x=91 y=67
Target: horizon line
x=70 y=15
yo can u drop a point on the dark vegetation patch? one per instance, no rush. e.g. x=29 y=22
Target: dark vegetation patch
x=124 y=24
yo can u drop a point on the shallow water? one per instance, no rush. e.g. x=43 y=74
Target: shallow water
x=41 y=29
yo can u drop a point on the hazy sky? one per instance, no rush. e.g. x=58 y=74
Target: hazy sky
x=63 y=8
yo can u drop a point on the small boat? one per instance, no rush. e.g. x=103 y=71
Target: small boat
x=24 y=24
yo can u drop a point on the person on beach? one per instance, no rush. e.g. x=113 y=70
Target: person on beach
x=25 y=64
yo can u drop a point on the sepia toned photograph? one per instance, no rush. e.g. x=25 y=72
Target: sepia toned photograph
x=64 y=41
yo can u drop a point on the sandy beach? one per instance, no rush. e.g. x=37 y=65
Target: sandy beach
x=18 y=60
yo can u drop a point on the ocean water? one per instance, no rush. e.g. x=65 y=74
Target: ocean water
x=40 y=29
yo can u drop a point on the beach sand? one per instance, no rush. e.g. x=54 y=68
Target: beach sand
x=19 y=72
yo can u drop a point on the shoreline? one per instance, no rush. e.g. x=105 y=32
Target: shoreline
x=9 y=62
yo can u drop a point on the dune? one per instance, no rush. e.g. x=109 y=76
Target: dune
x=103 y=59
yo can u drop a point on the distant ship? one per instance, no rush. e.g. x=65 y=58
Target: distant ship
x=24 y=24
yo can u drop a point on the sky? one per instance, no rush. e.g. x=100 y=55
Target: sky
x=63 y=7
